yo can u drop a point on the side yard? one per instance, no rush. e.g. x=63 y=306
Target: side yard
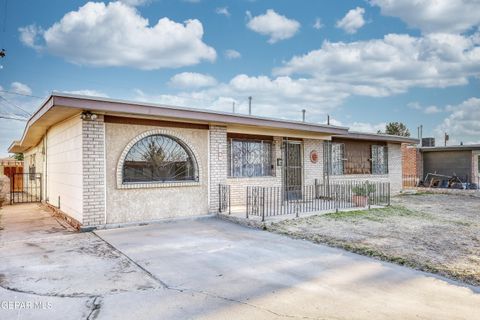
x=431 y=232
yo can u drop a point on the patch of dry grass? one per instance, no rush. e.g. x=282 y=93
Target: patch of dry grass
x=434 y=233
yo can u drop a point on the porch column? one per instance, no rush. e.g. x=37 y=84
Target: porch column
x=395 y=167
x=217 y=163
x=93 y=140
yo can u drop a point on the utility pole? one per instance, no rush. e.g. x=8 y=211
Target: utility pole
x=447 y=137
x=250 y=105
x=328 y=119
x=303 y=114
x=233 y=106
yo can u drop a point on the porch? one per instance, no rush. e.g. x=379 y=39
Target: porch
x=262 y=203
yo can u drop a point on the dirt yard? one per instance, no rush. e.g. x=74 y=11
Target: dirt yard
x=431 y=232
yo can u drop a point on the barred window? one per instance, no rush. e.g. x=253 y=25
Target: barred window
x=338 y=155
x=249 y=158
x=379 y=159
x=159 y=158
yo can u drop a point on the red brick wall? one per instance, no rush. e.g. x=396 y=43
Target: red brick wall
x=411 y=161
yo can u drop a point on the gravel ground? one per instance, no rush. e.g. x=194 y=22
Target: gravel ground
x=432 y=232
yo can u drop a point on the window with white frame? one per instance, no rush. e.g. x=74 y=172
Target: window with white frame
x=249 y=158
x=379 y=159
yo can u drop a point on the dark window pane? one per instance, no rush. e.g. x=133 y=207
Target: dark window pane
x=250 y=158
x=159 y=158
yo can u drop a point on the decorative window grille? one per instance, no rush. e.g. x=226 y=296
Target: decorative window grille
x=249 y=158
x=159 y=158
x=334 y=158
x=379 y=159
x=338 y=158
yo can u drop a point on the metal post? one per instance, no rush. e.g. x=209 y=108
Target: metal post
x=250 y=105
x=263 y=204
x=303 y=114
x=368 y=194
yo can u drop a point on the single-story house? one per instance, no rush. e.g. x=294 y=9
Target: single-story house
x=108 y=161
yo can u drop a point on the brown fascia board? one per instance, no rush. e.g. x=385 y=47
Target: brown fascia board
x=466 y=147
x=113 y=106
x=377 y=137
x=157 y=110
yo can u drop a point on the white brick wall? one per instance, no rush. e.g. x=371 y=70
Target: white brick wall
x=217 y=163
x=475 y=168
x=312 y=170
x=93 y=133
x=394 y=175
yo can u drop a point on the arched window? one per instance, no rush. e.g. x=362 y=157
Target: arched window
x=159 y=158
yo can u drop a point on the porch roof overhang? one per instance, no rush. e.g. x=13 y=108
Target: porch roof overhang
x=377 y=137
x=60 y=106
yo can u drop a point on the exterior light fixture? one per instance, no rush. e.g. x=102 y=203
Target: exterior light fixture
x=87 y=115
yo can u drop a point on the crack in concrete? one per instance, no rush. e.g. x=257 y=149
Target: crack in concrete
x=94 y=308
x=168 y=287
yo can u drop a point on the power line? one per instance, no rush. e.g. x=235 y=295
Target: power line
x=13 y=118
x=14 y=105
x=21 y=94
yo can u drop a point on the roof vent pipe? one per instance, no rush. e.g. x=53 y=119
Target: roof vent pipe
x=328 y=119
x=250 y=105
x=303 y=114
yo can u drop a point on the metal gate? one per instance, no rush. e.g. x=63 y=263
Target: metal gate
x=26 y=188
x=292 y=175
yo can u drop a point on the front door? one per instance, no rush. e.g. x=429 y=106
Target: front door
x=293 y=169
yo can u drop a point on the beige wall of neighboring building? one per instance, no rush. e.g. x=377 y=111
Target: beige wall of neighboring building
x=147 y=202
x=64 y=176
x=475 y=167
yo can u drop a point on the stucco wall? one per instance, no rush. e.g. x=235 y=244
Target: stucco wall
x=64 y=167
x=150 y=203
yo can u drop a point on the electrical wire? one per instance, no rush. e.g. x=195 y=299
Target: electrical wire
x=15 y=106
x=20 y=94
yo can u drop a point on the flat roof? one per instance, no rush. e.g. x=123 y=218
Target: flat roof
x=465 y=147
x=355 y=135
x=60 y=106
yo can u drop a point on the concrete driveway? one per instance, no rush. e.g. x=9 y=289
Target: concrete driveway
x=211 y=269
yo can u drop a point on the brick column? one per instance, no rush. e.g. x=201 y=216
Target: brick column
x=93 y=135
x=218 y=163
x=395 y=167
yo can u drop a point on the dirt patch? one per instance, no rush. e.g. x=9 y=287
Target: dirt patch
x=430 y=232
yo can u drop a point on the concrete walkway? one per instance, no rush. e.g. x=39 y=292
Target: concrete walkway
x=212 y=269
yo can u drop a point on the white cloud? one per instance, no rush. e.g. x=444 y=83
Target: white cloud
x=463 y=123
x=271 y=24
x=232 y=54
x=223 y=11
x=391 y=65
x=117 y=35
x=88 y=92
x=29 y=35
x=20 y=88
x=352 y=21
x=318 y=24
x=425 y=109
x=360 y=126
x=451 y=16
x=135 y=3
x=432 y=110
x=192 y=80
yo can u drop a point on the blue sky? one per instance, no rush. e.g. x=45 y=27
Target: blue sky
x=363 y=62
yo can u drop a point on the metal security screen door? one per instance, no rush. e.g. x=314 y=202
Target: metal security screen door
x=292 y=175
x=26 y=188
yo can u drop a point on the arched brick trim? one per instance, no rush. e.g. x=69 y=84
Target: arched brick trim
x=175 y=135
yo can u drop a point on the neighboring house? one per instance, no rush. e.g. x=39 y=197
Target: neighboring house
x=461 y=161
x=12 y=168
x=112 y=162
